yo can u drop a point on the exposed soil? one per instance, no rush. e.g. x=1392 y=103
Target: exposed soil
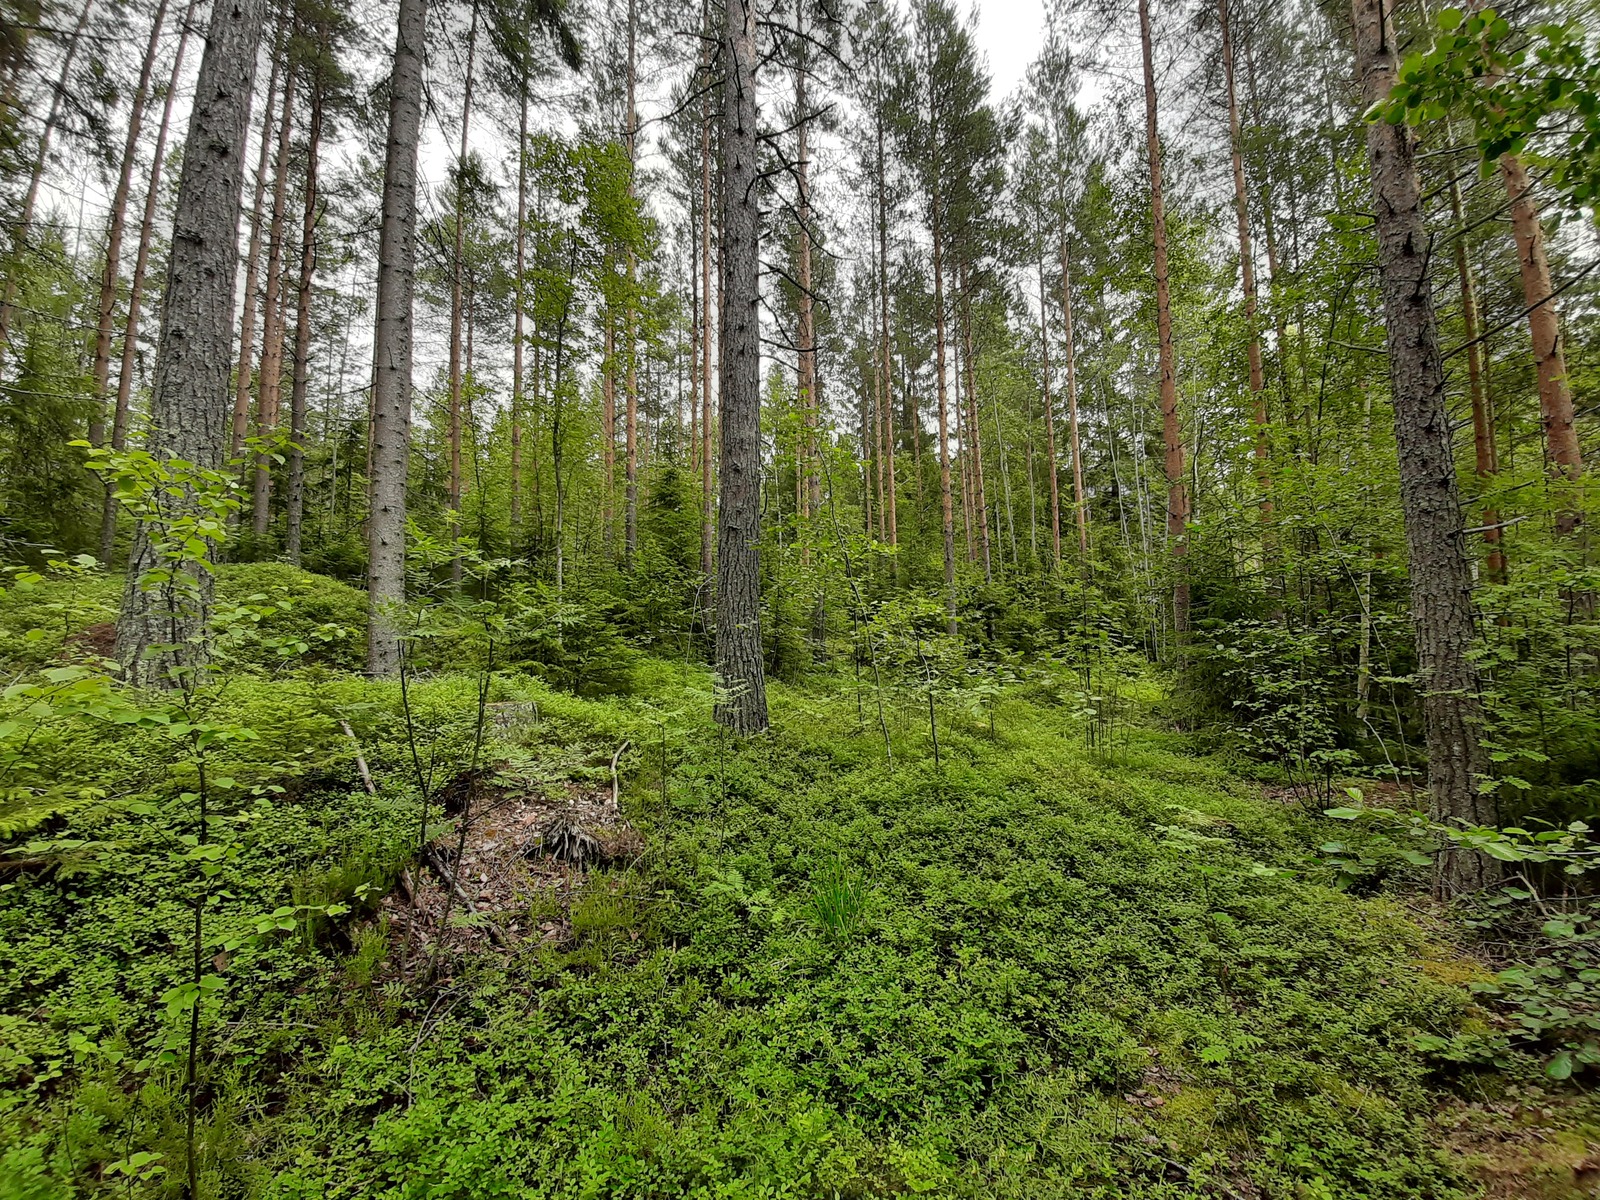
x=528 y=848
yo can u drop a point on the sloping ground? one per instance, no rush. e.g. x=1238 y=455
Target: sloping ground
x=1043 y=970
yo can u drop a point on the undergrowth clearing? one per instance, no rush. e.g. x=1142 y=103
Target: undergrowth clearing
x=1042 y=968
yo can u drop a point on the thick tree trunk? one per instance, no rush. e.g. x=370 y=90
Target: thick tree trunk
x=1441 y=581
x=1247 y=268
x=189 y=400
x=141 y=263
x=1544 y=326
x=743 y=707
x=247 y=322
x=392 y=345
x=272 y=317
x=1172 y=434
x=295 y=508
x=110 y=272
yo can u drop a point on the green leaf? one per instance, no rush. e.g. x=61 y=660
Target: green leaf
x=1560 y=1066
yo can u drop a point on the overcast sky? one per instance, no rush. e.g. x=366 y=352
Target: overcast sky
x=1010 y=33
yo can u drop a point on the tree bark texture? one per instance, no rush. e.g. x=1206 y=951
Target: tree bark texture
x=190 y=400
x=392 y=345
x=743 y=705
x=1441 y=581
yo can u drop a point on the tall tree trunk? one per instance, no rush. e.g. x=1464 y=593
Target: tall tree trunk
x=1172 y=434
x=1485 y=458
x=1441 y=580
x=1247 y=268
x=887 y=417
x=608 y=428
x=1544 y=326
x=295 y=509
x=806 y=341
x=141 y=263
x=946 y=499
x=980 y=503
x=247 y=322
x=392 y=345
x=743 y=707
x=189 y=398
x=41 y=159
x=107 y=305
x=707 y=494
x=1080 y=509
x=630 y=433
x=272 y=315
x=517 y=318
x=1049 y=424
x=458 y=252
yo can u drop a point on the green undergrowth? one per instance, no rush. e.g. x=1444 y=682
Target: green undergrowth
x=1043 y=969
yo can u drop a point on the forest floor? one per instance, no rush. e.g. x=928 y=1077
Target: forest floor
x=783 y=967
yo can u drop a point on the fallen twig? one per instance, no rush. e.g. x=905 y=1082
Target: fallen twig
x=361 y=761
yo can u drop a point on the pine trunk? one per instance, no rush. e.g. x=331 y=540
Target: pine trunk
x=1172 y=434
x=517 y=319
x=1247 y=268
x=392 y=346
x=743 y=706
x=295 y=508
x=189 y=398
x=1080 y=509
x=141 y=264
x=458 y=255
x=1544 y=326
x=1441 y=580
x=1050 y=427
x=630 y=434
x=247 y=323
x=272 y=319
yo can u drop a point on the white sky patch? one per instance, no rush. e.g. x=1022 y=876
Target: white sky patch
x=1010 y=33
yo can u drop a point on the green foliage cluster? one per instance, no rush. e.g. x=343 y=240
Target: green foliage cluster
x=828 y=977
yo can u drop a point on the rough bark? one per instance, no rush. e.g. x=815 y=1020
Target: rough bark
x=743 y=706
x=295 y=508
x=106 y=307
x=392 y=345
x=189 y=400
x=1544 y=327
x=272 y=318
x=141 y=264
x=247 y=323
x=1171 y=432
x=1441 y=581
